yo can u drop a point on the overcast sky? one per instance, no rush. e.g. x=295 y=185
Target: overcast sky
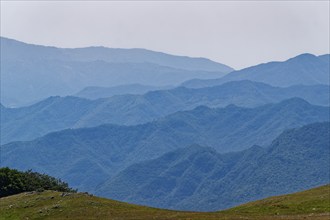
x=237 y=33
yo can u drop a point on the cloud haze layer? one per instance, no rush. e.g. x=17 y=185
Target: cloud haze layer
x=236 y=33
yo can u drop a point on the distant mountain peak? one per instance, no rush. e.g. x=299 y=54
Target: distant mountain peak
x=305 y=57
x=51 y=99
x=301 y=133
x=295 y=101
x=304 y=69
x=232 y=106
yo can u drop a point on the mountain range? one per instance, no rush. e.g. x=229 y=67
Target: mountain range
x=305 y=69
x=87 y=157
x=199 y=178
x=162 y=130
x=34 y=72
x=57 y=113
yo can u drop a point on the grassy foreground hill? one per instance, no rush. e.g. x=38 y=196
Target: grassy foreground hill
x=310 y=204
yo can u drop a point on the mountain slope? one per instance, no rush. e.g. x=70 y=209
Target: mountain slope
x=52 y=205
x=197 y=178
x=305 y=69
x=55 y=113
x=325 y=58
x=86 y=157
x=32 y=72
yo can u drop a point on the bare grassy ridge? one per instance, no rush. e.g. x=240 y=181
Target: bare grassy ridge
x=310 y=204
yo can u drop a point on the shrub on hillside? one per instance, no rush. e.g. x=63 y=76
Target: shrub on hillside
x=13 y=182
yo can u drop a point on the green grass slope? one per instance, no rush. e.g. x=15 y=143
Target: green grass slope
x=310 y=204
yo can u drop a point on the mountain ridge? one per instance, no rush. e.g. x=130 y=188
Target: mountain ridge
x=304 y=69
x=51 y=115
x=137 y=52
x=201 y=179
x=96 y=92
x=104 y=150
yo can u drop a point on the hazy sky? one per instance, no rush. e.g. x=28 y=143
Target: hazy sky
x=236 y=33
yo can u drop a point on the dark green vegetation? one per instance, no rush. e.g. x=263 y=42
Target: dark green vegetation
x=32 y=72
x=87 y=157
x=310 y=204
x=56 y=113
x=305 y=69
x=200 y=179
x=13 y=182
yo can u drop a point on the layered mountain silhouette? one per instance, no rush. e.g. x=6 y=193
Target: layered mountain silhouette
x=161 y=130
x=199 y=178
x=87 y=157
x=96 y=92
x=33 y=72
x=57 y=113
x=305 y=69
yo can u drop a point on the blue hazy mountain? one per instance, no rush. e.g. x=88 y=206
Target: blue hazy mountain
x=57 y=113
x=33 y=72
x=325 y=58
x=96 y=92
x=199 y=178
x=88 y=156
x=305 y=69
x=18 y=50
